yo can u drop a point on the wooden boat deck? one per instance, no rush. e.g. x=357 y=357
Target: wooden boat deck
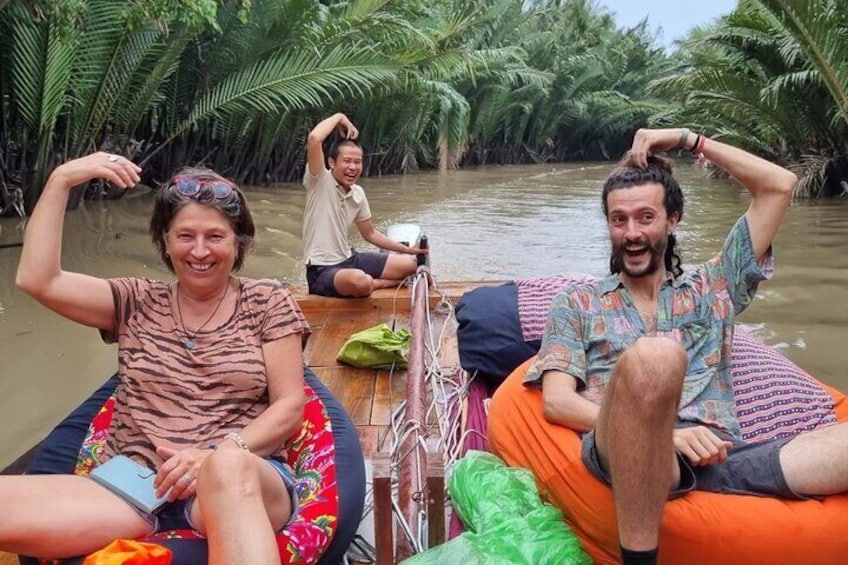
x=369 y=395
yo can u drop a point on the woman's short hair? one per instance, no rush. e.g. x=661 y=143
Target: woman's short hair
x=169 y=201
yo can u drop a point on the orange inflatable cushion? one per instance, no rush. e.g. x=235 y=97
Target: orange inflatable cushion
x=703 y=528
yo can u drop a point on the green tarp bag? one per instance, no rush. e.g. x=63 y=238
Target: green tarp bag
x=377 y=347
x=507 y=522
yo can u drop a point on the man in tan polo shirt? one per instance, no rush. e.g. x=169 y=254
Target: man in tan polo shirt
x=333 y=202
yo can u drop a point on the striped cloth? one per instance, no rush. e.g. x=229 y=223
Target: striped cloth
x=774 y=397
x=534 y=301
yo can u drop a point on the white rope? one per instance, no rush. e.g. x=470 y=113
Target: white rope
x=447 y=391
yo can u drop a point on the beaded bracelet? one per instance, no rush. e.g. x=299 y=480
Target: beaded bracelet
x=237 y=440
x=684 y=137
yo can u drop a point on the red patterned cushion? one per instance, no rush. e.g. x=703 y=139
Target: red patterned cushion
x=312 y=456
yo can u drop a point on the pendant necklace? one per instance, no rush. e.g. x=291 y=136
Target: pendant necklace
x=189 y=343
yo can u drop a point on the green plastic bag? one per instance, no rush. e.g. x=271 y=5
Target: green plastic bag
x=507 y=522
x=377 y=347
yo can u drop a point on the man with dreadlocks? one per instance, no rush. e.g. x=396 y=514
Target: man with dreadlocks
x=640 y=360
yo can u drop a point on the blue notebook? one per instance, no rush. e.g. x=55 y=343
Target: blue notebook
x=131 y=481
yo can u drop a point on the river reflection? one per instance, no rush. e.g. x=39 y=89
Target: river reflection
x=491 y=223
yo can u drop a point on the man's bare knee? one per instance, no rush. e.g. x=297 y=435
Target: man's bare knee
x=354 y=283
x=410 y=264
x=651 y=369
x=399 y=267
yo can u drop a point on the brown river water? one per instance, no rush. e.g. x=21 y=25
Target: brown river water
x=494 y=223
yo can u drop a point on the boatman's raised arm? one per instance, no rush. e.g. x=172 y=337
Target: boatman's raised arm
x=320 y=133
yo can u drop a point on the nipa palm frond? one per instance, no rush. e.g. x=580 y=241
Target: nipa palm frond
x=292 y=81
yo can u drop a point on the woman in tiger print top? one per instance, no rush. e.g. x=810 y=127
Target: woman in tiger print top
x=211 y=381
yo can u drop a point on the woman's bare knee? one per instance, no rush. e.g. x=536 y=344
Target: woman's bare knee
x=228 y=472
x=235 y=479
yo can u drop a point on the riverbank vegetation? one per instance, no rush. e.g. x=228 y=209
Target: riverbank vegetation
x=771 y=77
x=236 y=84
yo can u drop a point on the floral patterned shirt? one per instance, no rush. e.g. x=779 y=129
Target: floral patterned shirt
x=592 y=323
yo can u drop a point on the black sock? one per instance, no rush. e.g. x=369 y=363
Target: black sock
x=646 y=557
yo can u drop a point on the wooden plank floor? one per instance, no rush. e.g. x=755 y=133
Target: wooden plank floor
x=369 y=396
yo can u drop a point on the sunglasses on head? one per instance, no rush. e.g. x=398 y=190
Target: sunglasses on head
x=189 y=186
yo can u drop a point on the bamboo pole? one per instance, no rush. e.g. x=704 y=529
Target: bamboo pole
x=413 y=456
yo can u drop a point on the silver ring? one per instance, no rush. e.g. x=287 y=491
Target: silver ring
x=113 y=158
x=186 y=479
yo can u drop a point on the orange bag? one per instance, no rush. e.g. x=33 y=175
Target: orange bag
x=130 y=552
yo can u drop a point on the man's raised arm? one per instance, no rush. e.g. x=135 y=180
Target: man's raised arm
x=316 y=138
x=770 y=185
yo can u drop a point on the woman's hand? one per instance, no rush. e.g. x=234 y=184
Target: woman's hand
x=177 y=476
x=116 y=169
x=648 y=141
x=700 y=445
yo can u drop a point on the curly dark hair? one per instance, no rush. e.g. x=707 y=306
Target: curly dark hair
x=659 y=170
x=168 y=202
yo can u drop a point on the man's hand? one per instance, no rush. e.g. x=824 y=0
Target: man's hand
x=648 y=141
x=314 y=141
x=346 y=128
x=700 y=445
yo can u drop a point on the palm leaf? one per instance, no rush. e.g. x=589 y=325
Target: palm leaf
x=145 y=90
x=813 y=24
x=106 y=64
x=293 y=81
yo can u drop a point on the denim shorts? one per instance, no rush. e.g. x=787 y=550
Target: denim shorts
x=751 y=468
x=320 y=277
x=177 y=515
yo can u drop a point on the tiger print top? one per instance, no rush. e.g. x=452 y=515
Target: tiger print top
x=170 y=396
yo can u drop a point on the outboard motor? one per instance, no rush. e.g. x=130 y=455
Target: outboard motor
x=410 y=235
x=407 y=234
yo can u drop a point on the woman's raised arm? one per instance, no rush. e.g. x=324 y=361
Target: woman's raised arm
x=82 y=298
